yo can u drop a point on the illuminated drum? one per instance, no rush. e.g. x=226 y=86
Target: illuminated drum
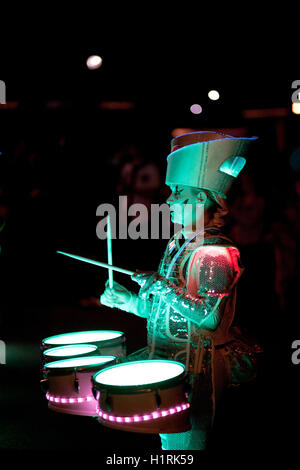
x=108 y=342
x=143 y=396
x=68 y=384
x=65 y=352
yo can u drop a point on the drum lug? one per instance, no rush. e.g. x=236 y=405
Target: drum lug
x=107 y=401
x=187 y=388
x=76 y=382
x=96 y=393
x=158 y=400
x=44 y=385
x=108 y=404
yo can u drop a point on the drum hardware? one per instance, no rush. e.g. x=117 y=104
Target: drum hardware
x=108 y=403
x=76 y=382
x=95 y=392
x=44 y=385
x=187 y=387
x=158 y=400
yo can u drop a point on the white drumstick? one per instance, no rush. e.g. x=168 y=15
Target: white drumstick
x=98 y=263
x=109 y=253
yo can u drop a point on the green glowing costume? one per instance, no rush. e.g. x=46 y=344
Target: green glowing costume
x=189 y=303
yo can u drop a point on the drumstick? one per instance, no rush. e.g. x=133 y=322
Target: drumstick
x=97 y=263
x=109 y=253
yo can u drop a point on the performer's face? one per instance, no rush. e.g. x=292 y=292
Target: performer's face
x=185 y=203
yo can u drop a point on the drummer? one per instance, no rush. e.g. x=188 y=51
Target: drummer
x=189 y=303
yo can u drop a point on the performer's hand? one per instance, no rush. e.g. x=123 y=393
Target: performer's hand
x=115 y=297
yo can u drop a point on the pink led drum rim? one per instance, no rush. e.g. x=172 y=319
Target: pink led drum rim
x=140 y=418
x=59 y=399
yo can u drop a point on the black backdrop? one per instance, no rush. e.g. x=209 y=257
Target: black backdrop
x=66 y=151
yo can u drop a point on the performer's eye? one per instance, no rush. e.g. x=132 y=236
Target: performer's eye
x=177 y=191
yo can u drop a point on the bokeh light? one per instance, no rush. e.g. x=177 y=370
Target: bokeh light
x=213 y=95
x=196 y=109
x=94 y=62
x=296 y=108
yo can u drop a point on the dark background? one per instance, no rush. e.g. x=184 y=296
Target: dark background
x=58 y=164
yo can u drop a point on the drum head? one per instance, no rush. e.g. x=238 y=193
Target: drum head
x=70 y=350
x=136 y=374
x=80 y=362
x=82 y=337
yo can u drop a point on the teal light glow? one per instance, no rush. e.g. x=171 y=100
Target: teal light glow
x=109 y=252
x=97 y=263
x=82 y=337
x=80 y=362
x=73 y=350
x=139 y=373
x=233 y=165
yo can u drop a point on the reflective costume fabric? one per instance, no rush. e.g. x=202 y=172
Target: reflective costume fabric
x=190 y=322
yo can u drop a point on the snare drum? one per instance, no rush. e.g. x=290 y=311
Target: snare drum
x=65 y=352
x=108 y=342
x=68 y=384
x=143 y=396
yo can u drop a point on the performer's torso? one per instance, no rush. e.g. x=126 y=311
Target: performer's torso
x=168 y=331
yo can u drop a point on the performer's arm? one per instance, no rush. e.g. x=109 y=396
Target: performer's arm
x=123 y=299
x=140 y=307
x=212 y=273
x=205 y=312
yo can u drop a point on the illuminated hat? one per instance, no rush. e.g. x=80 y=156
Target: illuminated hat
x=207 y=160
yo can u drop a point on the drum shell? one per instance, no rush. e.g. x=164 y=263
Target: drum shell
x=145 y=401
x=68 y=383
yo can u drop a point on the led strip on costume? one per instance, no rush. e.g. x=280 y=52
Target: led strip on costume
x=139 y=418
x=56 y=399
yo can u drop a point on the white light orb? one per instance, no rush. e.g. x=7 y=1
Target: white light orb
x=196 y=109
x=296 y=108
x=94 y=62
x=213 y=95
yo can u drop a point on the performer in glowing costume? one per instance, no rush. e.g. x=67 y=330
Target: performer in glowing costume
x=189 y=303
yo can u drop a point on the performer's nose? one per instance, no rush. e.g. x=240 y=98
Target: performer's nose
x=171 y=199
